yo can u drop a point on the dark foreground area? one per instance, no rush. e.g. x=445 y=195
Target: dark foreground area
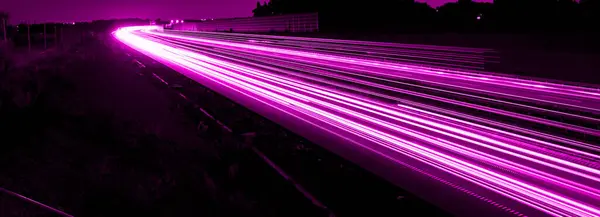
x=99 y=130
x=82 y=132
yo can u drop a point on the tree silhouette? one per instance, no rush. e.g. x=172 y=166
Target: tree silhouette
x=590 y=12
x=262 y=10
x=463 y=15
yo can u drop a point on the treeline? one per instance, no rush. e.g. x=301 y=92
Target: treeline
x=461 y=16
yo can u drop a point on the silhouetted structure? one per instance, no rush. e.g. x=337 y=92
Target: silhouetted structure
x=461 y=16
x=3 y=24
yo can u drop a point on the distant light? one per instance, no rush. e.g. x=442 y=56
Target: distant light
x=181 y=21
x=171 y=21
x=478 y=17
x=73 y=23
x=176 y=21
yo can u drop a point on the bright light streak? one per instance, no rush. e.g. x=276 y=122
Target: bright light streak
x=560 y=181
x=588 y=98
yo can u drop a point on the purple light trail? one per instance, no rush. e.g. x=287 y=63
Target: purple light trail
x=388 y=107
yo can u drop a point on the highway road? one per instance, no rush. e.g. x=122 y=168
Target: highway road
x=427 y=118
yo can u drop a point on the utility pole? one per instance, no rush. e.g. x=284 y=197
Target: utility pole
x=45 y=44
x=29 y=36
x=4 y=27
x=61 y=36
x=55 y=37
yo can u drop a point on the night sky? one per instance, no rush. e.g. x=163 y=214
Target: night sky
x=85 y=10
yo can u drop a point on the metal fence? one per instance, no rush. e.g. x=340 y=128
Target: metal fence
x=283 y=23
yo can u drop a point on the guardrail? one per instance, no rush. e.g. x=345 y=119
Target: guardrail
x=282 y=23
